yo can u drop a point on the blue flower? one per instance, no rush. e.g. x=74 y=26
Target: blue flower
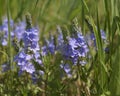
x=91 y=40
x=44 y=50
x=60 y=39
x=73 y=43
x=48 y=47
x=5 y=67
x=103 y=36
x=67 y=51
x=4 y=31
x=75 y=48
x=4 y=42
x=30 y=51
x=28 y=67
x=67 y=69
x=24 y=58
x=38 y=58
x=24 y=62
x=30 y=39
x=51 y=45
x=19 y=30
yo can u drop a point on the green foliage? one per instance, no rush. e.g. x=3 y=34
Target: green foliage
x=100 y=77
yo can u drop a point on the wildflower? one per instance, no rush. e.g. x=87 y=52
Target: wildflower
x=37 y=58
x=24 y=62
x=4 y=31
x=28 y=67
x=67 y=51
x=92 y=40
x=19 y=30
x=5 y=25
x=5 y=67
x=30 y=39
x=75 y=48
x=49 y=47
x=30 y=50
x=4 y=42
x=67 y=69
x=44 y=51
x=60 y=39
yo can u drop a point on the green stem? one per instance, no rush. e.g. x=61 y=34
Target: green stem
x=10 y=48
x=45 y=87
x=9 y=34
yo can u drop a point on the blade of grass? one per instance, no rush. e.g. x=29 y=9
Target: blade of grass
x=1 y=12
x=9 y=34
x=115 y=77
x=102 y=69
x=45 y=6
x=85 y=5
x=10 y=48
x=83 y=18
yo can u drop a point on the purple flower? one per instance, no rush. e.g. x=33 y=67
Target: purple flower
x=44 y=50
x=103 y=36
x=19 y=30
x=30 y=39
x=24 y=62
x=73 y=43
x=4 y=42
x=67 y=51
x=28 y=67
x=75 y=48
x=49 y=47
x=30 y=52
x=24 y=58
x=5 y=25
x=37 y=58
x=4 y=31
x=60 y=39
x=5 y=67
x=67 y=69
x=91 y=40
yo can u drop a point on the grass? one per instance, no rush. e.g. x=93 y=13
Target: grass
x=102 y=14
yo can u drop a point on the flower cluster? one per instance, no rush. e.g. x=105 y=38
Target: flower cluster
x=90 y=38
x=30 y=39
x=4 y=31
x=73 y=48
x=19 y=30
x=30 y=50
x=16 y=31
x=49 y=47
x=23 y=60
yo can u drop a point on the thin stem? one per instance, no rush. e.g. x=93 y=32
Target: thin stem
x=9 y=34
x=46 y=80
x=10 y=48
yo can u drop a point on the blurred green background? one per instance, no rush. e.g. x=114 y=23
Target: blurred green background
x=49 y=13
